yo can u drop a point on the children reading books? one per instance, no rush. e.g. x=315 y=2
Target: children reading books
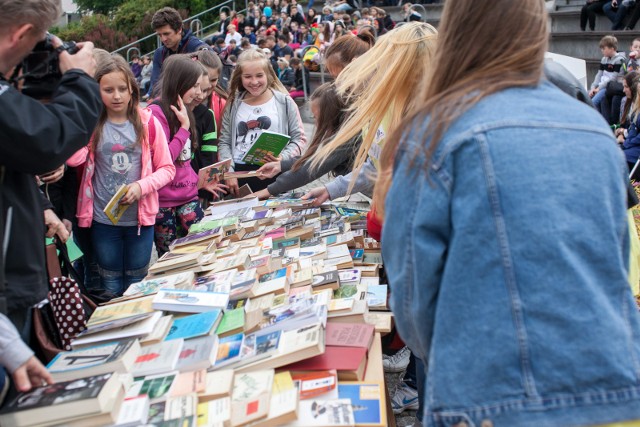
x=128 y=147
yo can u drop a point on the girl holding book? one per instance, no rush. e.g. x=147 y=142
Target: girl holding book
x=129 y=148
x=179 y=205
x=330 y=112
x=257 y=102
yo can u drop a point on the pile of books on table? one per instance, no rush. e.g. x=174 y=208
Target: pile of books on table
x=262 y=315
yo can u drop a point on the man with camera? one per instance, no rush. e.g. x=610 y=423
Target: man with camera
x=34 y=139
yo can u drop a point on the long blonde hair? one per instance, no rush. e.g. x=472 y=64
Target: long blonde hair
x=235 y=84
x=484 y=46
x=381 y=82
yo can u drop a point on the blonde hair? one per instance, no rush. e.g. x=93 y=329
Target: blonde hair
x=381 y=82
x=465 y=74
x=235 y=84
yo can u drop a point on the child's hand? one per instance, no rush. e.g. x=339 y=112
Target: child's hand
x=232 y=185
x=318 y=194
x=269 y=170
x=262 y=194
x=271 y=158
x=54 y=176
x=181 y=114
x=214 y=187
x=134 y=192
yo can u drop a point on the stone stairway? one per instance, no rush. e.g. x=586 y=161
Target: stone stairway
x=565 y=38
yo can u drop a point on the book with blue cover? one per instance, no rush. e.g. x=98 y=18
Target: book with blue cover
x=195 y=325
x=367 y=401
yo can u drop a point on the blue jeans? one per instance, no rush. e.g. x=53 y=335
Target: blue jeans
x=344 y=7
x=122 y=255
x=598 y=98
x=616 y=16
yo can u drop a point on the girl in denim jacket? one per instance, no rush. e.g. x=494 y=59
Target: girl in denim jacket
x=505 y=235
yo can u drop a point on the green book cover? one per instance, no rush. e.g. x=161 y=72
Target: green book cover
x=232 y=320
x=210 y=225
x=267 y=143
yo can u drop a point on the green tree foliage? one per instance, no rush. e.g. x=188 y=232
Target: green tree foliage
x=103 y=7
x=115 y=23
x=98 y=29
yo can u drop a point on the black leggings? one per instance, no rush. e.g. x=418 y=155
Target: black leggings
x=589 y=11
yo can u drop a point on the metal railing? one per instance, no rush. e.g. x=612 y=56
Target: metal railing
x=228 y=5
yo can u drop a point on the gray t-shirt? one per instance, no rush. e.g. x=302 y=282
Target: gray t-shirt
x=118 y=161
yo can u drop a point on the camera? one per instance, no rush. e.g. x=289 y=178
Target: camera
x=41 y=68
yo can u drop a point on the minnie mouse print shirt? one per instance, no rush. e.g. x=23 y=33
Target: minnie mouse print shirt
x=250 y=121
x=117 y=162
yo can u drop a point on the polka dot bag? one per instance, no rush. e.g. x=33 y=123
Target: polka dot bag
x=68 y=311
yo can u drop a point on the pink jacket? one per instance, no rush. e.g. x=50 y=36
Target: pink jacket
x=157 y=171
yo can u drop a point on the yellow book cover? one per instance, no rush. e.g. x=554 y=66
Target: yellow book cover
x=114 y=210
x=121 y=310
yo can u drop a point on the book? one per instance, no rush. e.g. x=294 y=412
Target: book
x=157 y=358
x=274 y=282
x=213 y=173
x=293 y=346
x=190 y=382
x=114 y=210
x=382 y=321
x=159 y=333
x=232 y=323
x=156 y=387
x=215 y=412
x=194 y=325
x=350 y=276
x=171 y=262
x=367 y=400
x=349 y=334
x=302 y=277
x=350 y=362
x=312 y=384
x=122 y=310
x=197 y=353
x=84 y=397
x=118 y=323
x=181 y=408
x=151 y=286
x=328 y=280
x=218 y=384
x=267 y=143
x=137 y=329
x=324 y=413
x=251 y=396
x=189 y=301
x=283 y=406
x=134 y=412
x=211 y=233
x=228 y=350
x=377 y=297
x=117 y=357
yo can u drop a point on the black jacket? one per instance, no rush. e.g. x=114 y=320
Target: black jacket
x=207 y=152
x=35 y=139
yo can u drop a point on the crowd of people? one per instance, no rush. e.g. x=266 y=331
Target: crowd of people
x=500 y=202
x=623 y=14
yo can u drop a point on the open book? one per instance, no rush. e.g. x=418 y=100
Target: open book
x=267 y=143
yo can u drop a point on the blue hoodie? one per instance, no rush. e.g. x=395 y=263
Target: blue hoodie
x=188 y=44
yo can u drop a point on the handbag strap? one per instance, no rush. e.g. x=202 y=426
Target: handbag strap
x=66 y=265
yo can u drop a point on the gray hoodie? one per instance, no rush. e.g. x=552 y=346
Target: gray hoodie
x=290 y=124
x=611 y=69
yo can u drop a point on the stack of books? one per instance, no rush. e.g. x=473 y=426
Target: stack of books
x=267 y=313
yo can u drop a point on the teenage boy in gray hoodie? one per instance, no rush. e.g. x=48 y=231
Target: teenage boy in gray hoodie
x=611 y=69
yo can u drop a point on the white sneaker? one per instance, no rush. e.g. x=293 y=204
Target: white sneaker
x=405 y=398
x=398 y=362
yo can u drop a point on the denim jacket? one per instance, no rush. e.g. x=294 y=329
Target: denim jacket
x=507 y=258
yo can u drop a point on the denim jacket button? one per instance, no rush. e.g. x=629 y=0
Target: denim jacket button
x=486 y=423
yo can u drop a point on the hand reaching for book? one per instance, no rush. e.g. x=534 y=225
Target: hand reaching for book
x=134 y=192
x=319 y=195
x=31 y=374
x=269 y=170
x=215 y=188
x=232 y=185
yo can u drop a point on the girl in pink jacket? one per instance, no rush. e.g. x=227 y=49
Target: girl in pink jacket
x=128 y=148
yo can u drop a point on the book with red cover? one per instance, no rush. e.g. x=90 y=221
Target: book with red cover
x=350 y=362
x=349 y=334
